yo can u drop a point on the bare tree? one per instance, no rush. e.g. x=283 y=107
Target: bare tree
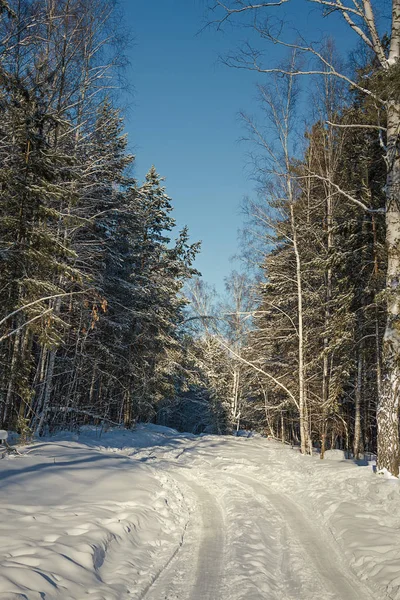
x=278 y=177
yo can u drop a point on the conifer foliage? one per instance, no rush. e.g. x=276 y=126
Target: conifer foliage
x=90 y=280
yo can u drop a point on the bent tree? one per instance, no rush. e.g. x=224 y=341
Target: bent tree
x=380 y=85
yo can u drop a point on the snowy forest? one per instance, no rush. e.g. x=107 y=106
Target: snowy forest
x=104 y=317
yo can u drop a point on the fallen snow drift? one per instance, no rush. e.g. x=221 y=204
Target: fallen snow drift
x=79 y=522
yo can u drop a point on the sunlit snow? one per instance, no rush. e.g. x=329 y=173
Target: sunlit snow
x=153 y=514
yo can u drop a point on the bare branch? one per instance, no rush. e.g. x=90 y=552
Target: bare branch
x=247 y=7
x=356 y=126
x=338 y=5
x=14 y=331
x=367 y=17
x=15 y=312
x=250 y=63
x=250 y=364
x=371 y=24
x=347 y=195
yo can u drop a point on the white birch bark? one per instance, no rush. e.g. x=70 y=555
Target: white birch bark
x=302 y=400
x=358 y=399
x=388 y=405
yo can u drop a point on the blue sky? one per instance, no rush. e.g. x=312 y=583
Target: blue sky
x=184 y=117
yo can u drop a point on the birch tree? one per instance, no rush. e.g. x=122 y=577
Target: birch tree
x=276 y=172
x=237 y=312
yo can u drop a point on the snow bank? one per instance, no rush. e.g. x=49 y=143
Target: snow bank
x=363 y=510
x=357 y=507
x=335 y=455
x=76 y=521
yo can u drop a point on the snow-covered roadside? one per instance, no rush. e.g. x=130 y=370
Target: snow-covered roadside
x=76 y=521
x=356 y=508
x=361 y=509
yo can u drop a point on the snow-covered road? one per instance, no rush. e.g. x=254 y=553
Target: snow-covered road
x=156 y=515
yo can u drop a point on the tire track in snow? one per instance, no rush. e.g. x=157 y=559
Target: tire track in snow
x=328 y=567
x=211 y=551
x=152 y=586
x=201 y=572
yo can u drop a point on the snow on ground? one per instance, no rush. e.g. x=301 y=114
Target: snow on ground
x=77 y=521
x=152 y=514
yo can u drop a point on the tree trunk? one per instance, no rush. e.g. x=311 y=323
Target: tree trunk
x=304 y=437
x=47 y=392
x=324 y=434
x=358 y=399
x=235 y=397
x=377 y=333
x=328 y=301
x=388 y=403
x=11 y=383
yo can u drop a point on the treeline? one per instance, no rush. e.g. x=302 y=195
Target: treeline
x=309 y=368
x=324 y=357
x=301 y=348
x=90 y=281
x=320 y=320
